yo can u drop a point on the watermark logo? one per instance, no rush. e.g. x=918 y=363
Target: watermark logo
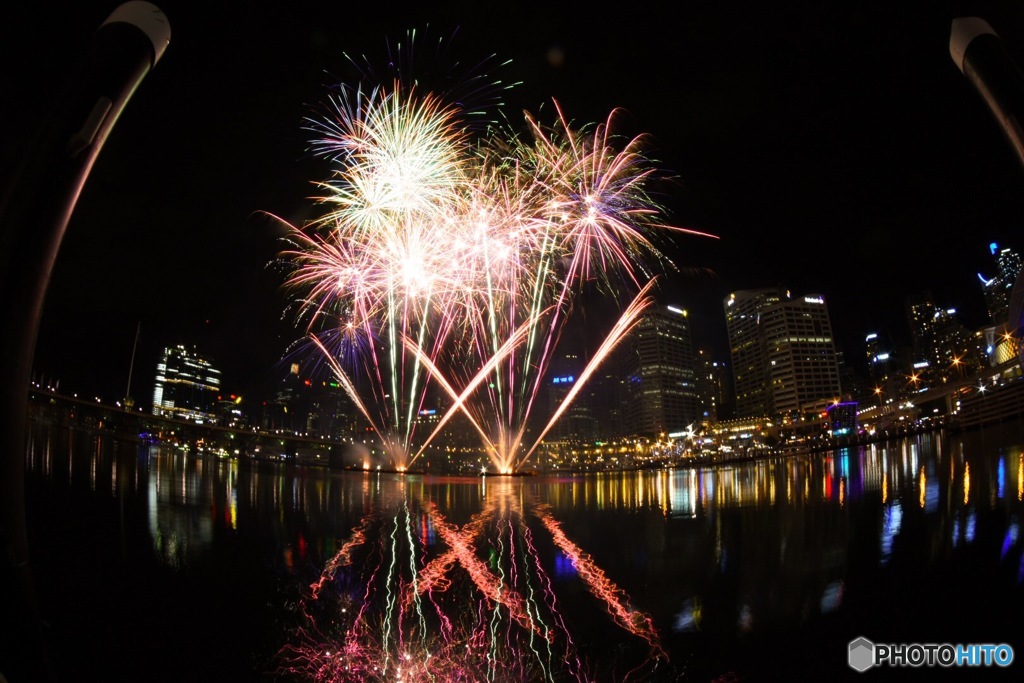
x=862 y=654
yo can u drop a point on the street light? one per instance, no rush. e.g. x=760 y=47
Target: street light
x=960 y=366
x=914 y=379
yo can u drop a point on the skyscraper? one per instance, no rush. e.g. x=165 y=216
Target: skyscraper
x=883 y=367
x=783 y=353
x=944 y=348
x=578 y=421
x=998 y=288
x=661 y=391
x=713 y=385
x=746 y=348
x=803 y=367
x=187 y=385
x=1002 y=339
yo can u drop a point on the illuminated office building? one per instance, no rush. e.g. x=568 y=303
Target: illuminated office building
x=747 y=350
x=577 y=421
x=1002 y=339
x=883 y=367
x=803 y=366
x=783 y=353
x=661 y=386
x=997 y=289
x=187 y=386
x=944 y=349
x=714 y=386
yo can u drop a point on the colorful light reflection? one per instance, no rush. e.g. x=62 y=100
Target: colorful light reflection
x=480 y=604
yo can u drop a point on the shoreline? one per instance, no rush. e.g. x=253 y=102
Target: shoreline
x=45 y=408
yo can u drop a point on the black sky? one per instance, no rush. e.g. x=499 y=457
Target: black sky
x=834 y=148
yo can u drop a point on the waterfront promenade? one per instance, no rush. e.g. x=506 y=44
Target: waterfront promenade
x=960 y=407
x=46 y=407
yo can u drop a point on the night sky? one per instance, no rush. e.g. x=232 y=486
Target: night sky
x=833 y=148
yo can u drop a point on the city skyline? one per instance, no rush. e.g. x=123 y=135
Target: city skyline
x=898 y=344
x=875 y=148
x=782 y=361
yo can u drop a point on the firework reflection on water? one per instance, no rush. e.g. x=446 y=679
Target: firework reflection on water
x=413 y=596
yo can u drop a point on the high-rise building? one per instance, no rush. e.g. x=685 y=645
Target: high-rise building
x=661 y=390
x=187 y=386
x=803 y=366
x=886 y=382
x=1001 y=339
x=944 y=349
x=784 y=356
x=746 y=348
x=713 y=384
x=997 y=289
x=286 y=408
x=577 y=421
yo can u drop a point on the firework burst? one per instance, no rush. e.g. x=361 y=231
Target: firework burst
x=449 y=260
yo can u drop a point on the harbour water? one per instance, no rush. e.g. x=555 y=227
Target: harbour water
x=151 y=564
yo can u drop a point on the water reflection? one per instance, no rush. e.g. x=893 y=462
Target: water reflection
x=648 y=575
x=412 y=595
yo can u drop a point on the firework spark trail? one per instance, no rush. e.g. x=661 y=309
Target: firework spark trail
x=591 y=213
x=625 y=323
x=507 y=240
x=393 y=199
x=400 y=157
x=493 y=654
x=603 y=588
x=599 y=199
x=413 y=583
x=485 y=582
x=571 y=659
x=392 y=577
x=346 y=383
x=436 y=243
x=459 y=400
x=578 y=233
x=504 y=510
x=385 y=635
x=518 y=578
x=342 y=558
x=433 y=577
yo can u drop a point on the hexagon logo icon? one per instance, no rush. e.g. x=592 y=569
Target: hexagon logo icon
x=861 y=654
